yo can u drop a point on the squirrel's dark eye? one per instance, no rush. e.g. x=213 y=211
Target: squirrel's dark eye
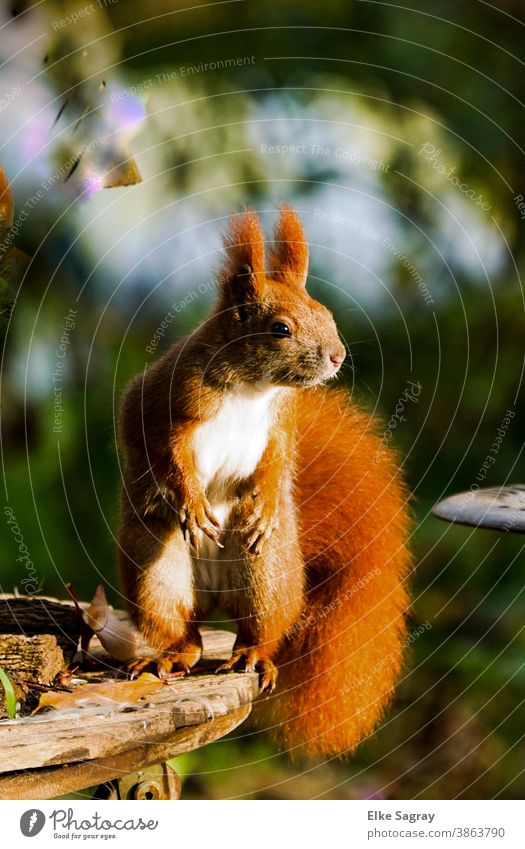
x=280 y=329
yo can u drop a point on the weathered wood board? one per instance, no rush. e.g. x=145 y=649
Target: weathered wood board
x=87 y=734
x=56 y=781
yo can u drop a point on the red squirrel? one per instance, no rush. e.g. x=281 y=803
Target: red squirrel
x=251 y=488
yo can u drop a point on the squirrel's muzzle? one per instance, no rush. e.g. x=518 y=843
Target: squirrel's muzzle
x=337 y=357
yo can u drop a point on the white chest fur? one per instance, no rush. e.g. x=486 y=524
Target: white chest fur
x=228 y=447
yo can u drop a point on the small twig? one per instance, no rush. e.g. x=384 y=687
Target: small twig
x=74 y=599
x=37 y=685
x=86 y=631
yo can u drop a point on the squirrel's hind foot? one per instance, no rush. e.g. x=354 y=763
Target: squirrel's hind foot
x=167 y=665
x=252 y=660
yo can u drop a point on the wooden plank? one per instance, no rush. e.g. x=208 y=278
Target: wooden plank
x=60 y=737
x=48 y=783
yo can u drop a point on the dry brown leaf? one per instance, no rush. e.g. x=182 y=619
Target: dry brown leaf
x=120 y=693
x=121 y=170
x=116 y=636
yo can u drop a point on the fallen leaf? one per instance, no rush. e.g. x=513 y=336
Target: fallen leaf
x=121 y=693
x=120 y=170
x=116 y=636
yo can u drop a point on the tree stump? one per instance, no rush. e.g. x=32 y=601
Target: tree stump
x=29 y=661
x=33 y=616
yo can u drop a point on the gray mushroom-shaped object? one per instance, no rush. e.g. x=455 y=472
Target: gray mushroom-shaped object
x=496 y=508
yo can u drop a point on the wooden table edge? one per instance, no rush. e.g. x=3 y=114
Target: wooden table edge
x=47 y=783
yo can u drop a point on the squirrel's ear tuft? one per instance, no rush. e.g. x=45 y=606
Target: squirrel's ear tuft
x=242 y=273
x=289 y=254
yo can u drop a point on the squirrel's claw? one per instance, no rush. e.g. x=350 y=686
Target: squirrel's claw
x=172 y=665
x=210 y=516
x=169 y=665
x=137 y=665
x=197 y=518
x=258 y=532
x=268 y=678
x=251 y=660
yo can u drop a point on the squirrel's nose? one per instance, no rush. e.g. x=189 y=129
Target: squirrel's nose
x=337 y=357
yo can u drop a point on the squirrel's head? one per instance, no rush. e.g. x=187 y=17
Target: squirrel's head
x=274 y=332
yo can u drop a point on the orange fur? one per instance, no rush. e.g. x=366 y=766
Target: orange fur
x=244 y=245
x=289 y=253
x=311 y=558
x=340 y=661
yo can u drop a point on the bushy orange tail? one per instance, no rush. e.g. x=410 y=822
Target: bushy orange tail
x=340 y=662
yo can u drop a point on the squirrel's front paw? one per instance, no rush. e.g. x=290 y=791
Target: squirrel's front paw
x=259 y=525
x=195 y=515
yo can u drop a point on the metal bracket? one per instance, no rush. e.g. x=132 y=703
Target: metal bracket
x=153 y=782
